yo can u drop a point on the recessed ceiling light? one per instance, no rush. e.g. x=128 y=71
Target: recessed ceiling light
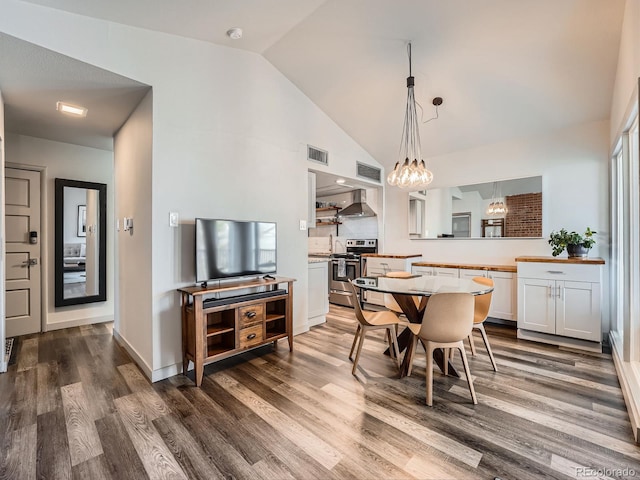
x=340 y=181
x=71 y=109
x=234 y=33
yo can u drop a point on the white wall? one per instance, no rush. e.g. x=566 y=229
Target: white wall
x=229 y=140
x=628 y=71
x=73 y=162
x=133 y=173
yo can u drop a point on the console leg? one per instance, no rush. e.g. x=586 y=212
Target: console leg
x=199 y=372
x=185 y=365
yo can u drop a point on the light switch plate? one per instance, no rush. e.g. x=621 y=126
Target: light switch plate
x=173 y=219
x=303 y=224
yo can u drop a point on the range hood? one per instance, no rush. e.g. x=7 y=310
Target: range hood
x=359 y=207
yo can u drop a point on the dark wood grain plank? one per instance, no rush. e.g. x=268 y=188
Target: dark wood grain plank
x=48 y=396
x=53 y=458
x=191 y=457
x=120 y=455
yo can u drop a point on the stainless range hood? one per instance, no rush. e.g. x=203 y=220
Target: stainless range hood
x=359 y=207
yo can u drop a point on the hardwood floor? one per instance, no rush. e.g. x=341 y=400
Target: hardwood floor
x=73 y=405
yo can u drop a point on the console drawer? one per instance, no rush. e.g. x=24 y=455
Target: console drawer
x=251 y=315
x=250 y=336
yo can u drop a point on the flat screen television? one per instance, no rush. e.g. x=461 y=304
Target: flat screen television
x=229 y=248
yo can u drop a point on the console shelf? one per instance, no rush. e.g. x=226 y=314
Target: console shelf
x=240 y=323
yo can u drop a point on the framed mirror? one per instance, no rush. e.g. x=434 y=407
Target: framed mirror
x=500 y=209
x=80 y=242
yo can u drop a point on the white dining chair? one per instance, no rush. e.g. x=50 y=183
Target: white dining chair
x=447 y=322
x=383 y=320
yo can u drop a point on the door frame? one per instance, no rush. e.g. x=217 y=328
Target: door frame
x=44 y=239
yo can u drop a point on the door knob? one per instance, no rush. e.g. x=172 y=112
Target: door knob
x=30 y=262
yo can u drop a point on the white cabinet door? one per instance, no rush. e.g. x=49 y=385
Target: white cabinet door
x=468 y=273
x=318 y=291
x=422 y=270
x=503 y=300
x=446 y=272
x=578 y=310
x=536 y=305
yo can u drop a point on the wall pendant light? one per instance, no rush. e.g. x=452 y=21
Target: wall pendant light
x=412 y=173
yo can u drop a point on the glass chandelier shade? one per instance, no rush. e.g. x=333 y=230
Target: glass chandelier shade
x=412 y=173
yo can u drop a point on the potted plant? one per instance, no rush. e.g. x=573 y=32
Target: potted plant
x=577 y=245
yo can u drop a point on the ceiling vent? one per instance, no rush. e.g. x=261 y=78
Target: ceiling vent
x=316 y=155
x=367 y=171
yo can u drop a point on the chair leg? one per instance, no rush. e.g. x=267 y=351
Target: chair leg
x=414 y=341
x=467 y=372
x=445 y=356
x=355 y=339
x=429 y=380
x=486 y=344
x=471 y=343
x=355 y=362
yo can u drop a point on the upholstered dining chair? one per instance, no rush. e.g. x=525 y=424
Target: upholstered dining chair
x=384 y=320
x=481 y=312
x=447 y=322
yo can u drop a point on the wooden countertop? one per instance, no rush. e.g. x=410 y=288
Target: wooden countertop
x=388 y=255
x=467 y=266
x=578 y=260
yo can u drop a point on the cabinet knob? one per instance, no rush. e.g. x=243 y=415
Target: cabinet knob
x=250 y=314
x=251 y=336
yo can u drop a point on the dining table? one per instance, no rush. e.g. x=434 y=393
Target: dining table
x=403 y=288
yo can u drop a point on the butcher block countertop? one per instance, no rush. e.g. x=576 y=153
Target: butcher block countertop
x=467 y=266
x=578 y=260
x=388 y=255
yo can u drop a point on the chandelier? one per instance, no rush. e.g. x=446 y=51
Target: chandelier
x=412 y=173
x=497 y=206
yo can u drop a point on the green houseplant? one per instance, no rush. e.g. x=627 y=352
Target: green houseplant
x=577 y=245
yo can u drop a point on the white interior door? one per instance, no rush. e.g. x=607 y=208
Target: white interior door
x=22 y=267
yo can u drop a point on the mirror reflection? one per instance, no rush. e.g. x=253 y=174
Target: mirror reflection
x=80 y=242
x=506 y=208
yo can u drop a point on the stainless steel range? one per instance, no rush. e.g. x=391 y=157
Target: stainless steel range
x=347 y=266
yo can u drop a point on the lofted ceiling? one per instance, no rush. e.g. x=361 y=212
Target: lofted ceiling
x=505 y=68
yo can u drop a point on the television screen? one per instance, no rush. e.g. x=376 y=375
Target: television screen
x=228 y=248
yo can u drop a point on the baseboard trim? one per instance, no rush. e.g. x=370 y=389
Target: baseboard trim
x=629 y=383
x=560 y=341
x=77 y=323
x=134 y=354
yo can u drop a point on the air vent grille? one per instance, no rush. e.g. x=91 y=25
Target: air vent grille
x=317 y=155
x=367 y=171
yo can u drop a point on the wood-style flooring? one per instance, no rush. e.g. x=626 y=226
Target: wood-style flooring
x=74 y=405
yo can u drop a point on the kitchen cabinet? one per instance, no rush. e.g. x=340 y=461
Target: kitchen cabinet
x=436 y=271
x=560 y=299
x=380 y=264
x=318 y=292
x=503 y=300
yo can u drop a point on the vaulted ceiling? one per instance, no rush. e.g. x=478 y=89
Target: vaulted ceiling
x=505 y=68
